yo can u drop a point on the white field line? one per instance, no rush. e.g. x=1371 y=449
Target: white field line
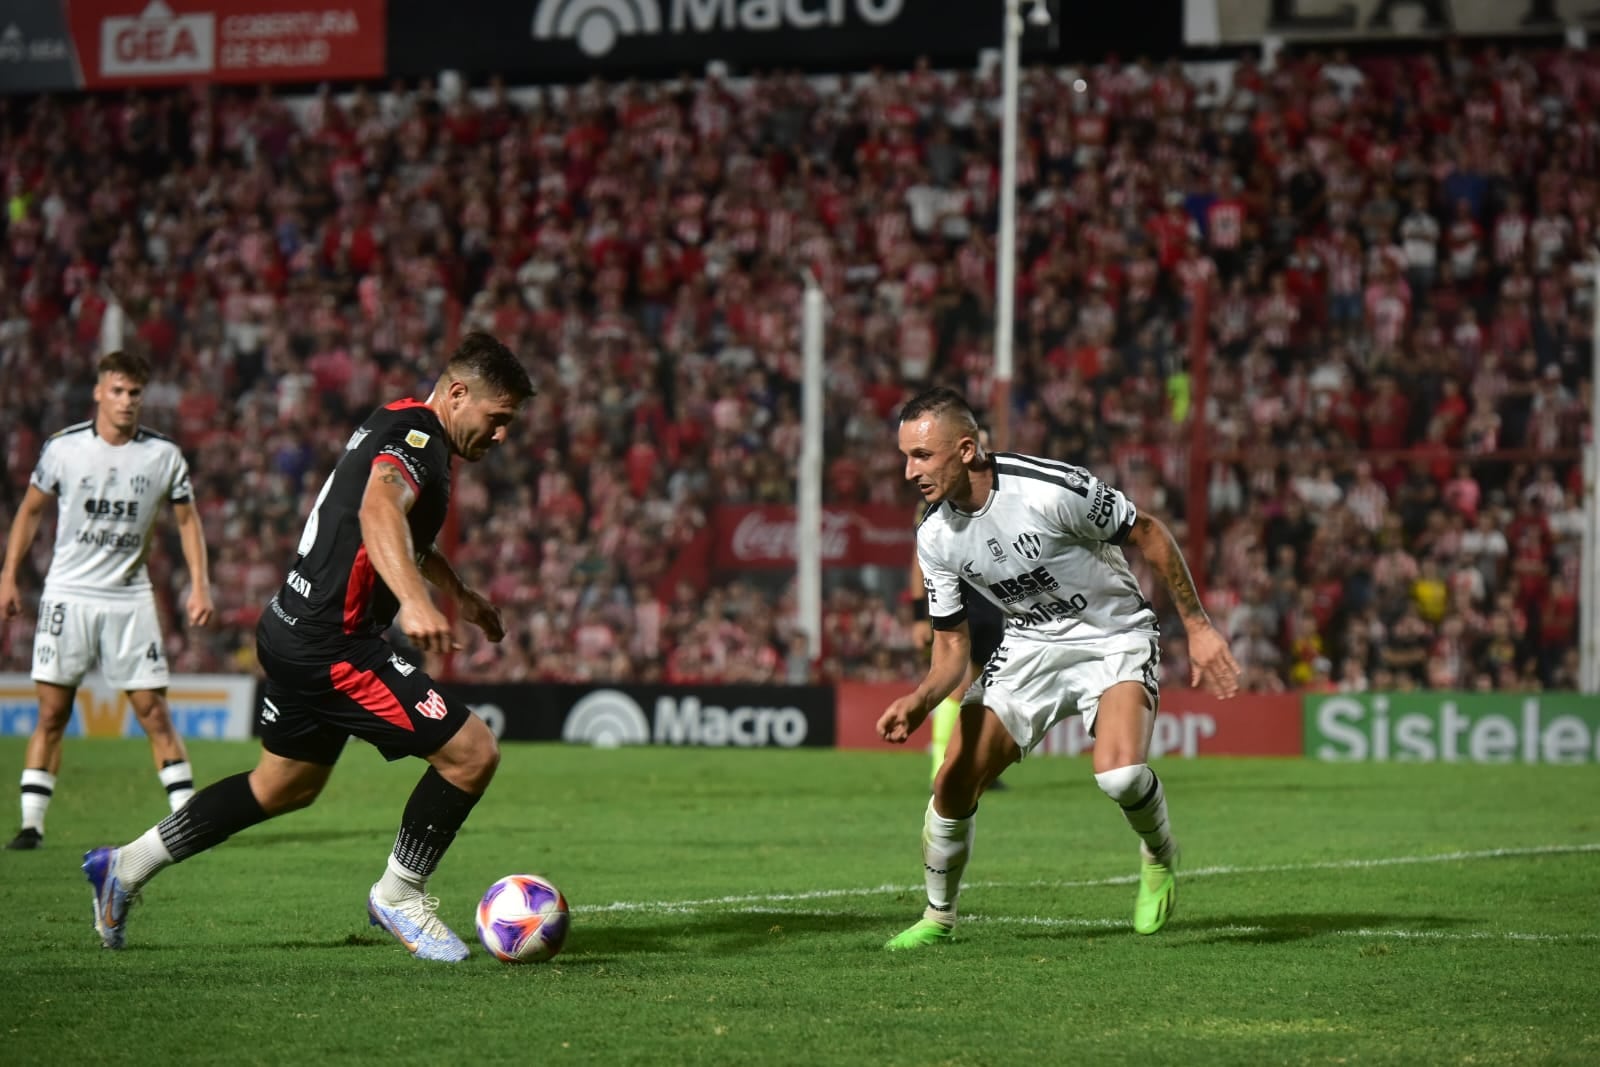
x=767 y=903
x=1368 y=933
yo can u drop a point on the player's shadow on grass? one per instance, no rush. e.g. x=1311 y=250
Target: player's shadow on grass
x=1268 y=929
x=1253 y=929
x=595 y=943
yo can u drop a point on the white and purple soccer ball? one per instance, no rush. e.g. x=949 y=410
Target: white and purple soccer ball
x=523 y=919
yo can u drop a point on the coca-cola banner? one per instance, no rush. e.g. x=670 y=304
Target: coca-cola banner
x=755 y=537
x=165 y=42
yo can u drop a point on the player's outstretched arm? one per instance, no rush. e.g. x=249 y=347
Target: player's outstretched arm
x=951 y=649
x=23 y=529
x=1213 y=666
x=192 y=535
x=387 y=537
x=475 y=607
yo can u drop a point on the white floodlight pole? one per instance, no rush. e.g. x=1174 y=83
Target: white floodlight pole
x=1005 y=296
x=808 y=502
x=1589 y=575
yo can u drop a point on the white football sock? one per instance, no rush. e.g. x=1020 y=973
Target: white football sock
x=400 y=883
x=37 y=789
x=946 y=847
x=178 y=780
x=139 y=860
x=1137 y=790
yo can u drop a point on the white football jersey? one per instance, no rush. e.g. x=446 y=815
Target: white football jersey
x=107 y=497
x=1044 y=548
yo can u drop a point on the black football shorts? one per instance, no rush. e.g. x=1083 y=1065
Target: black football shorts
x=352 y=687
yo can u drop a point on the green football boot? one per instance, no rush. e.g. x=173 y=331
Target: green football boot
x=923 y=932
x=1158 y=893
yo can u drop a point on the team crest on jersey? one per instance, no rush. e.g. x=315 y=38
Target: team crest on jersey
x=995 y=550
x=1028 y=546
x=140 y=482
x=432 y=706
x=417 y=439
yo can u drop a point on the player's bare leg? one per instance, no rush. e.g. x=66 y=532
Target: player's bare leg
x=166 y=744
x=399 y=901
x=979 y=750
x=42 y=762
x=1122 y=732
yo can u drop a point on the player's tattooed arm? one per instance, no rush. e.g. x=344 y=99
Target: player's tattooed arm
x=1211 y=663
x=1166 y=558
x=386 y=534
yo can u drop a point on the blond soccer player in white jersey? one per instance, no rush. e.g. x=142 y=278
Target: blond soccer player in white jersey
x=1041 y=540
x=109 y=477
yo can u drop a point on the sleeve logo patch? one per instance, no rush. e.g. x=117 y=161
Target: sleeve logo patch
x=417 y=439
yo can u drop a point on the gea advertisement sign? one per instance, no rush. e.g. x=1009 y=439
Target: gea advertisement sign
x=1454 y=727
x=213 y=706
x=166 y=42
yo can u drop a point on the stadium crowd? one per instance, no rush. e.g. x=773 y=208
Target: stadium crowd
x=1398 y=292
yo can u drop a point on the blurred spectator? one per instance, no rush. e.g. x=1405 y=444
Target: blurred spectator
x=1398 y=297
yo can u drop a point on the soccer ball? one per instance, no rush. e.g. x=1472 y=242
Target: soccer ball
x=522 y=919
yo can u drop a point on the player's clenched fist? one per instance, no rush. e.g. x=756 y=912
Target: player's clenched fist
x=902 y=719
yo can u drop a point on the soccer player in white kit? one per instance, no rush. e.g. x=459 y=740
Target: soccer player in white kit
x=109 y=476
x=1041 y=539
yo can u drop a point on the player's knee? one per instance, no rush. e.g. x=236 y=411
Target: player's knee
x=1126 y=785
x=54 y=715
x=286 y=795
x=294 y=798
x=488 y=756
x=956 y=787
x=53 y=724
x=152 y=712
x=471 y=758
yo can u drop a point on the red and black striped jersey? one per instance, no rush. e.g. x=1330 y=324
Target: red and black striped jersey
x=333 y=585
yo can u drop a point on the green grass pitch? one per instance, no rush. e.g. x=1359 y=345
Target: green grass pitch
x=730 y=907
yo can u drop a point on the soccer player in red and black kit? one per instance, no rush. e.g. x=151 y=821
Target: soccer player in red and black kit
x=330 y=675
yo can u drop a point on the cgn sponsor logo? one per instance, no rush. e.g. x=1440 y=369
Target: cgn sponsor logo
x=1454 y=728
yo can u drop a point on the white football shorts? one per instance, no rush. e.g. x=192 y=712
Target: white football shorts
x=1032 y=685
x=122 y=637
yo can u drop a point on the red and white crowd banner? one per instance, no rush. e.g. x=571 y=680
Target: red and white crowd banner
x=164 y=42
x=1191 y=723
x=756 y=537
